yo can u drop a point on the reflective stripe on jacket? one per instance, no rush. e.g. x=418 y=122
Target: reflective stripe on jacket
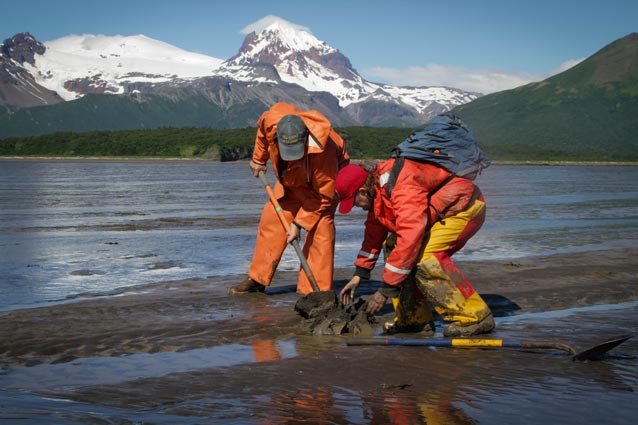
x=409 y=213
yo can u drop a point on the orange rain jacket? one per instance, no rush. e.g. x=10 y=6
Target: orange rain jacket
x=409 y=213
x=325 y=155
x=305 y=190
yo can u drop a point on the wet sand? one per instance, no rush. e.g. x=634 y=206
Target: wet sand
x=182 y=315
x=324 y=372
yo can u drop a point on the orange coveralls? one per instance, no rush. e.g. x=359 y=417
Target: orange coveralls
x=429 y=228
x=305 y=189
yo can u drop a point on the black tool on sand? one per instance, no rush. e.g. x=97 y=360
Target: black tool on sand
x=593 y=353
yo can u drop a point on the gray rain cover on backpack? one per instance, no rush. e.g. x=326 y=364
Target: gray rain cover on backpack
x=447 y=142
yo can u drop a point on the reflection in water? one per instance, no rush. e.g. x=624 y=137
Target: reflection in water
x=382 y=405
x=266 y=351
x=113 y=370
x=399 y=385
x=314 y=405
x=467 y=386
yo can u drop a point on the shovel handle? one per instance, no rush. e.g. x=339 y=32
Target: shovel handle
x=463 y=343
x=593 y=353
x=295 y=243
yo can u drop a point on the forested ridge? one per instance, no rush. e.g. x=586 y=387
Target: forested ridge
x=237 y=144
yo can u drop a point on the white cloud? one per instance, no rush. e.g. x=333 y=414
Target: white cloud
x=484 y=81
x=267 y=21
x=566 y=65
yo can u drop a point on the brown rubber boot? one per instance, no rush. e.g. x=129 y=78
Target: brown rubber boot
x=247 y=286
x=484 y=326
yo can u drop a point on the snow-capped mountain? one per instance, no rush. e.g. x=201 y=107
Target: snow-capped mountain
x=76 y=65
x=300 y=58
x=279 y=61
x=73 y=66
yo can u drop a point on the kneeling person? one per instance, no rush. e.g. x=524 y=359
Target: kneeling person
x=432 y=215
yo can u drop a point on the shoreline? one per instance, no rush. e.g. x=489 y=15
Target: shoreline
x=197 y=312
x=203 y=160
x=103 y=159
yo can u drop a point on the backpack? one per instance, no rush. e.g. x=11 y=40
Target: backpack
x=446 y=142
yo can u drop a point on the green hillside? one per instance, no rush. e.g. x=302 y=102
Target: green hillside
x=198 y=143
x=589 y=112
x=108 y=112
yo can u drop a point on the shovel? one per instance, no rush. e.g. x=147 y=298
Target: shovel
x=295 y=243
x=316 y=304
x=593 y=353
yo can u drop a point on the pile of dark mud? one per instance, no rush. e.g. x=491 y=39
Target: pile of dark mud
x=326 y=315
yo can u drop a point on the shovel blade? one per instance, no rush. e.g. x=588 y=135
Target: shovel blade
x=596 y=352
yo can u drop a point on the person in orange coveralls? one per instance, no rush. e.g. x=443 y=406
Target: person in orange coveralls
x=305 y=154
x=429 y=217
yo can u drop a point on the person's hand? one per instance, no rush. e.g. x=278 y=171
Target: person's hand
x=376 y=302
x=256 y=168
x=347 y=293
x=294 y=233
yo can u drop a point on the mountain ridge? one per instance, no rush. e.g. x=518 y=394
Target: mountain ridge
x=585 y=113
x=588 y=111
x=281 y=61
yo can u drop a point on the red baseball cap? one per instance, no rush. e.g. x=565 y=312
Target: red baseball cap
x=349 y=180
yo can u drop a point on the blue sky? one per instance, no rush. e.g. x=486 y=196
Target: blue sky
x=477 y=45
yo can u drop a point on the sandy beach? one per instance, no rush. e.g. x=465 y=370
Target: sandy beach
x=192 y=314
x=182 y=315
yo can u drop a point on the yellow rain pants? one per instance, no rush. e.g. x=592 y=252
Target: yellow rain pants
x=436 y=281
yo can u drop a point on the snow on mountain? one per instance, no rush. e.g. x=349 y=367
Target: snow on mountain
x=18 y=88
x=300 y=58
x=76 y=64
x=420 y=98
x=274 y=51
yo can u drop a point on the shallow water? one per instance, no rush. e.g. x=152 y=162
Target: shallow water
x=69 y=227
x=483 y=385
x=72 y=228
x=113 y=370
